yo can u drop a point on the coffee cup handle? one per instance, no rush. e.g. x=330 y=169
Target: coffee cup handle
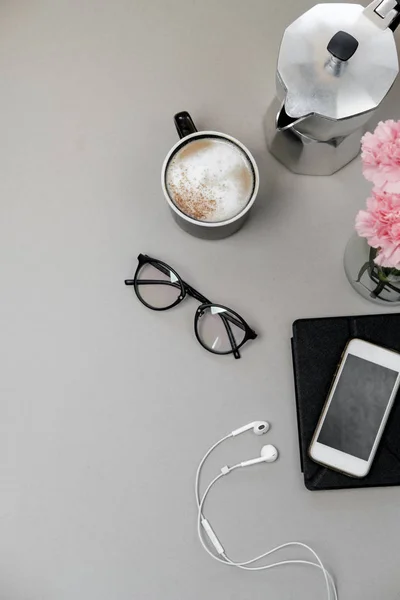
x=184 y=124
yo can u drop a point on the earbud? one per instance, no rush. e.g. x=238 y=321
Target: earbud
x=269 y=454
x=258 y=427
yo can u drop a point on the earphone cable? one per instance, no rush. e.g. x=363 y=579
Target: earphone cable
x=203 y=460
x=202 y=524
x=243 y=565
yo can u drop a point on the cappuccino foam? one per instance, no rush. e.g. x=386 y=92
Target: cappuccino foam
x=210 y=179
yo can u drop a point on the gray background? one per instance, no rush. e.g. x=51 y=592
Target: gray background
x=106 y=407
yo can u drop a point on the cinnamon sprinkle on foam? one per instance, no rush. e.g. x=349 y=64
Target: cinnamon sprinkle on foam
x=210 y=179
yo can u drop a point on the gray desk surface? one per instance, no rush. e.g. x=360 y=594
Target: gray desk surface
x=107 y=407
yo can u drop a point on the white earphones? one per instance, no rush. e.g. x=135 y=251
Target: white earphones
x=269 y=454
x=258 y=427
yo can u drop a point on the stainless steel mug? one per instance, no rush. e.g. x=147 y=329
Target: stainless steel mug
x=206 y=229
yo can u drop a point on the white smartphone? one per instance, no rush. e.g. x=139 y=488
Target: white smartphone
x=357 y=408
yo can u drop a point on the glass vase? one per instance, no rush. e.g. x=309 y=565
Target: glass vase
x=380 y=285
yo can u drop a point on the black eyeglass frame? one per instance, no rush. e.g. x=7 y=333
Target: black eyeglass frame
x=188 y=290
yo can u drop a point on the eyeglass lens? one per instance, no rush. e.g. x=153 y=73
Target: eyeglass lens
x=215 y=326
x=157 y=288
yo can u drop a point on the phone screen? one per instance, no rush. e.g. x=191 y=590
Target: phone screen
x=357 y=407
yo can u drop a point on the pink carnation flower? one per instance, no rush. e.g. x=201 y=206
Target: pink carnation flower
x=380 y=224
x=381 y=156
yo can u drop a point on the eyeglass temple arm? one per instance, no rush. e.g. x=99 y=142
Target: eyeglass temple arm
x=157 y=265
x=152 y=282
x=232 y=341
x=195 y=294
x=188 y=288
x=190 y=291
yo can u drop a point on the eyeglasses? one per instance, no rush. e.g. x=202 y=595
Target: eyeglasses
x=217 y=328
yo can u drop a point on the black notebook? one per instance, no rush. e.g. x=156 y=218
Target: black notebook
x=317 y=346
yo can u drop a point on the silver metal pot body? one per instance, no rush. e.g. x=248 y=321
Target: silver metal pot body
x=336 y=64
